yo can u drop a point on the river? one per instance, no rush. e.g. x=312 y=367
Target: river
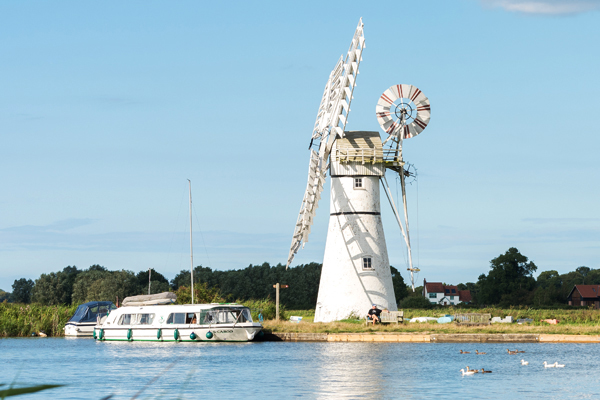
x=275 y=370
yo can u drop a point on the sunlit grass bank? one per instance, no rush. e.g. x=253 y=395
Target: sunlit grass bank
x=582 y=321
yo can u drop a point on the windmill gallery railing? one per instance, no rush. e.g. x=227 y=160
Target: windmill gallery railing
x=365 y=155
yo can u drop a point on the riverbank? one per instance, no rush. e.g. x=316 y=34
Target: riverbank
x=428 y=338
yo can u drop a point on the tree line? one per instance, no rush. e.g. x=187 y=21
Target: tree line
x=74 y=286
x=510 y=282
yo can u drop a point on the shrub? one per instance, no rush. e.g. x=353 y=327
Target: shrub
x=416 y=302
x=266 y=307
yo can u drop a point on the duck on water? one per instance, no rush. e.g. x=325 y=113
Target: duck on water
x=152 y=318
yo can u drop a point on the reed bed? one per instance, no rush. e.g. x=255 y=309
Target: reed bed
x=24 y=319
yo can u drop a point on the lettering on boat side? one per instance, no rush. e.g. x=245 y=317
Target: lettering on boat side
x=224 y=331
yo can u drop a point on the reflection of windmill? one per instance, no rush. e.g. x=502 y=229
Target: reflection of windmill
x=356 y=270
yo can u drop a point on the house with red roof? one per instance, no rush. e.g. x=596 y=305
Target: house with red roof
x=585 y=296
x=446 y=295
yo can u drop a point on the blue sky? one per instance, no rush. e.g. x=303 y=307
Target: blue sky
x=107 y=108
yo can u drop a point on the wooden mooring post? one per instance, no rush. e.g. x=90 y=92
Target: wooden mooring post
x=277 y=286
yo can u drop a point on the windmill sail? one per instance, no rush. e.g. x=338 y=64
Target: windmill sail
x=330 y=124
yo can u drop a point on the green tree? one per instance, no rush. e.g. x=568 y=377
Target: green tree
x=256 y=282
x=98 y=284
x=400 y=288
x=471 y=287
x=202 y=294
x=22 y=290
x=593 y=277
x=56 y=287
x=159 y=283
x=569 y=280
x=548 y=290
x=584 y=271
x=510 y=281
x=5 y=296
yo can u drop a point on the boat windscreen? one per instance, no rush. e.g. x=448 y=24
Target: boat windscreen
x=225 y=316
x=88 y=312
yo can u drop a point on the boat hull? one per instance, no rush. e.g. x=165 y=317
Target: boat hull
x=179 y=334
x=79 y=329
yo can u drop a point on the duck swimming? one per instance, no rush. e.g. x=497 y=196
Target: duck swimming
x=479 y=352
x=483 y=371
x=523 y=362
x=468 y=372
x=465 y=352
x=557 y=365
x=511 y=352
x=546 y=365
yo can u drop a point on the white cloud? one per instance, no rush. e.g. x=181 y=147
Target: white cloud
x=546 y=7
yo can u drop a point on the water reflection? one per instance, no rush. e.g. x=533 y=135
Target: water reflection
x=350 y=370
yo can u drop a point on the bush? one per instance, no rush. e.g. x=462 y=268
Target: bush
x=416 y=302
x=266 y=307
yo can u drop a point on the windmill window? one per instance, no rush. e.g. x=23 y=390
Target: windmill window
x=358 y=183
x=367 y=264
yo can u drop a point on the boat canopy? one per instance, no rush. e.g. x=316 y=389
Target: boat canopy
x=150 y=299
x=88 y=312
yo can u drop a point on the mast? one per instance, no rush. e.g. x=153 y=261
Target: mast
x=403 y=111
x=191 y=247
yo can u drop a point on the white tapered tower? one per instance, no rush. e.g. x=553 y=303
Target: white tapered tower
x=356 y=269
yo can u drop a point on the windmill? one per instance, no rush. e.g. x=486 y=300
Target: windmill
x=356 y=271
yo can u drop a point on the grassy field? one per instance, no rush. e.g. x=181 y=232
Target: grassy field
x=572 y=322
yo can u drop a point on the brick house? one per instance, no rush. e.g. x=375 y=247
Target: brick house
x=585 y=296
x=446 y=295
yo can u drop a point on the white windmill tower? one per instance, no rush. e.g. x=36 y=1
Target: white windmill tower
x=356 y=270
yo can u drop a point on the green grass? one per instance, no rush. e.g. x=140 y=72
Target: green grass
x=575 y=321
x=23 y=319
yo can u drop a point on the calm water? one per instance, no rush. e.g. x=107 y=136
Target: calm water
x=285 y=370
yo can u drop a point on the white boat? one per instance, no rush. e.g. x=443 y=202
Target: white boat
x=155 y=318
x=179 y=323
x=82 y=322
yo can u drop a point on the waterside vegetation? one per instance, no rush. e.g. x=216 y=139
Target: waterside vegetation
x=25 y=319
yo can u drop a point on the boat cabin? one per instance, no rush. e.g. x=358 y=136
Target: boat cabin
x=88 y=312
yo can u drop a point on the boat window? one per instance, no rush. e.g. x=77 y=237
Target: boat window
x=125 y=319
x=176 y=318
x=190 y=318
x=247 y=315
x=146 y=319
x=226 y=316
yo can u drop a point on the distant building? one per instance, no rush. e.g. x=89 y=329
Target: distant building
x=585 y=296
x=445 y=295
